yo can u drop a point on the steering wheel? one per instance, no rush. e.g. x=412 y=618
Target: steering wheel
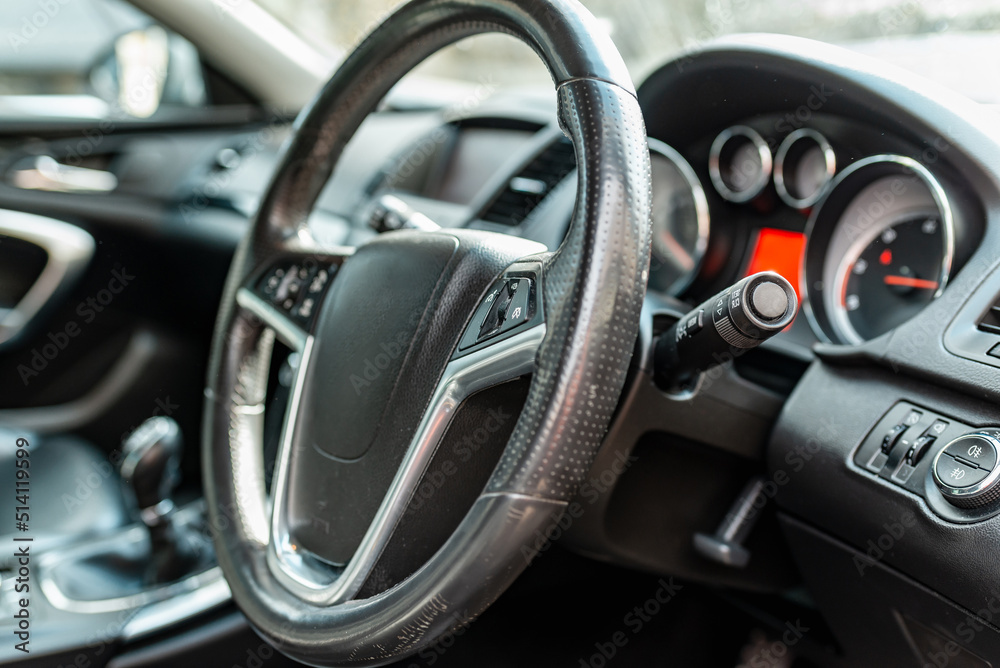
x=394 y=337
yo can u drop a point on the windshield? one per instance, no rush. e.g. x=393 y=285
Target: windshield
x=952 y=41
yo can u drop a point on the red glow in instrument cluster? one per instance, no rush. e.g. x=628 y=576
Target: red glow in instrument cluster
x=779 y=251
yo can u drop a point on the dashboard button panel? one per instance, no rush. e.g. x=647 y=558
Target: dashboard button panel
x=900 y=442
x=296 y=287
x=951 y=465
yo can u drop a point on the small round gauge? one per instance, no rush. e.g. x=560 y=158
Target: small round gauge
x=803 y=168
x=880 y=248
x=680 y=220
x=739 y=163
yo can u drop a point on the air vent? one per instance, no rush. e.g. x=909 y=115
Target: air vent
x=991 y=321
x=532 y=184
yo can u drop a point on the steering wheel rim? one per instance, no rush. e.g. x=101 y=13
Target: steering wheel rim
x=593 y=287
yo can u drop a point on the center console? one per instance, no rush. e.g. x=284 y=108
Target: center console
x=106 y=580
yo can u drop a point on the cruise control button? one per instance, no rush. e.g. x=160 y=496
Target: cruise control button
x=471 y=337
x=517 y=310
x=318 y=281
x=498 y=311
x=974 y=450
x=306 y=308
x=954 y=473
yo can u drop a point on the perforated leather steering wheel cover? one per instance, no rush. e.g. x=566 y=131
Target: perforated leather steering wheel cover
x=594 y=286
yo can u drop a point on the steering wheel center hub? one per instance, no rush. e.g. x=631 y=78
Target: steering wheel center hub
x=384 y=336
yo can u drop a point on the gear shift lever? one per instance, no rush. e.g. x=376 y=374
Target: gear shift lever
x=151 y=467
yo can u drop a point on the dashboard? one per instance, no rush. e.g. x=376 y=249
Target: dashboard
x=868 y=226
x=877 y=198
x=865 y=196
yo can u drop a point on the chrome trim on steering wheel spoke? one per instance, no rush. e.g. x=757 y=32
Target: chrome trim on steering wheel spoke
x=321 y=584
x=288 y=332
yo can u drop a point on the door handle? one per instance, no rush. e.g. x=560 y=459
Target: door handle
x=69 y=250
x=46 y=173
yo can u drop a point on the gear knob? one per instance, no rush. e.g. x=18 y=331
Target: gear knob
x=151 y=466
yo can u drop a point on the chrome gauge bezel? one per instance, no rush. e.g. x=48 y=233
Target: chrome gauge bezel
x=828 y=320
x=701 y=210
x=781 y=183
x=715 y=165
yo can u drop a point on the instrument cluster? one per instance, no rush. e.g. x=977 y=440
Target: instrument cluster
x=868 y=240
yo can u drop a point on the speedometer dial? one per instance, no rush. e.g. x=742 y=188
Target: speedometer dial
x=880 y=248
x=680 y=220
x=887 y=281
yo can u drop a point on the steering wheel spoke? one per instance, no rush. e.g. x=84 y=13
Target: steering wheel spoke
x=286 y=293
x=312 y=579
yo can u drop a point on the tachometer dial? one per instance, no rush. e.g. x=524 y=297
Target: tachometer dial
x=887 y=281
x=879 y=249
x=680 y=220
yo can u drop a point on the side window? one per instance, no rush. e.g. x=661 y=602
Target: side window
x=93 y=59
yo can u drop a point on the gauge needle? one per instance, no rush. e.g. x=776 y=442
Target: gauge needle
x=909 y=282
x=682 y=258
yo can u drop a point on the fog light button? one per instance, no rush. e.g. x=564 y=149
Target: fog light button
x=974 y=449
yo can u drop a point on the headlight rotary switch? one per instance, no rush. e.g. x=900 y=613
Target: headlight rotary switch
x=966 y=469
